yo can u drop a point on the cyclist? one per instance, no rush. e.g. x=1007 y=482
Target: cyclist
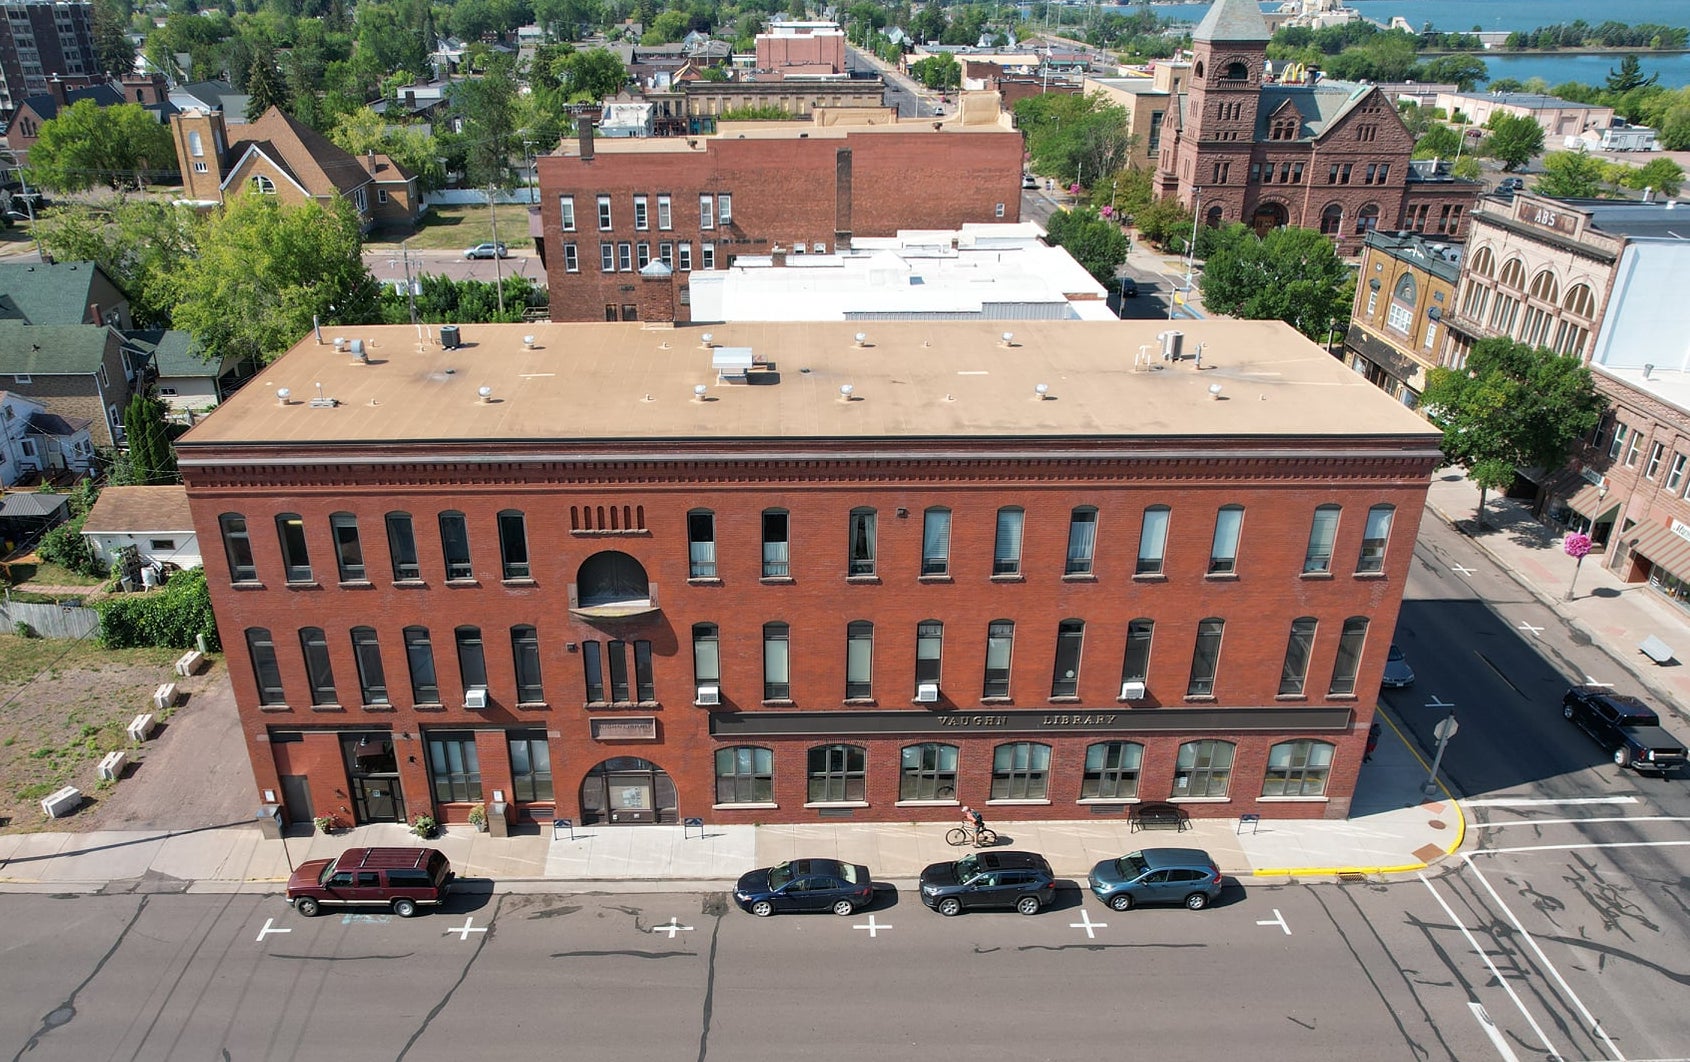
x=974 y=821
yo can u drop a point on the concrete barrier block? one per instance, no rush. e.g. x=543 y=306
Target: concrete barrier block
x=63 y=802
x=141 y=727
x=166 y=695
x=189 y=662
x=111 y=767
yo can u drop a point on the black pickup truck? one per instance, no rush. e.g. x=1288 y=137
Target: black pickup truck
x=1624 y=726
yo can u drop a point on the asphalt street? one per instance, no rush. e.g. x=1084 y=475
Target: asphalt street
x=1558 y=932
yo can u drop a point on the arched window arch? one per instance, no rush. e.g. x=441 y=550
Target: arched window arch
x=1545 y=287
x=1332 y=219
x=1367 y=219
x=1513 y=274
x=612 y=577
x=837 y=774
x=1021 y=771
x=1213 y=217
x=1297 y=769
x=1399 y=315
x=745 y=774
x=1580 y=301
x=927 y=772
x=263 y=185
x=1406 y=290
x=1483 y=263
x=1236 y=71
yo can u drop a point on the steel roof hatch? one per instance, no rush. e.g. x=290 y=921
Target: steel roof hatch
x=738 y=365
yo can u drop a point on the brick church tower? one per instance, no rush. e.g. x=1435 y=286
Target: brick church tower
x=1211 y=148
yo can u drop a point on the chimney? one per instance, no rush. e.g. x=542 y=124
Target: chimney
x=410 y=99
x=370 y=162
x=94 y=312
x=586 y=129
x=56 y=88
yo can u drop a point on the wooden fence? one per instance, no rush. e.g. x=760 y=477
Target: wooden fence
x=50 y=621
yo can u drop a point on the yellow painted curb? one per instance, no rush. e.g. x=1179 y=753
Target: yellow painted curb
x=1460 y=812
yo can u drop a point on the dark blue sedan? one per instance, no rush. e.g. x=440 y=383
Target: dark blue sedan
x=805 y=885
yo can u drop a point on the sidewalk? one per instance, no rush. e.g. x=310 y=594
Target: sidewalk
x=1615 y=615
x=1392 y=828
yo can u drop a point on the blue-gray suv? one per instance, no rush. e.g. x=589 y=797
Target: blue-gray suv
x=1186 y=876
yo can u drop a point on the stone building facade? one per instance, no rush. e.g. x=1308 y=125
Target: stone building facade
x=1405 y=289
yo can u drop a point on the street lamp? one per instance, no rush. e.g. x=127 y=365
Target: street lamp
x=1191 y=249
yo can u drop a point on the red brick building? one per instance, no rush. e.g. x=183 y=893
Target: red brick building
x=780 y=573
x=1327 y=155
x=612 y=210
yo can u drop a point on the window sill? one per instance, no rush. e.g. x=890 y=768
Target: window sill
x=997 y=700
x=1065 y=700
x=1291 y=697
x=520 y=581
x=863 y=580
x=1078 y=577
x=776 y=580
x=327 y=708
x=1017 y=803
x=1200 y=800
x=274 y=708
x=927 y=804
x=250 y=584
x=532 y=706
x=303 y=584
x=1199 y=698
x=1316 y=576
x=704 y=580
x=388 y=707
x=1341 y=697
x=1294 y=800
x=743 y=807
x=410 y=584
x=470 y=582
x=1110 y=800
x=933 y=579
x=779 y=702
x=1149 y=577
x=1009 y=577
x=839 y=804
x=429 y=705
x=860 y=702
x=356 y=584
x=1221 y=577
x=1370 y=576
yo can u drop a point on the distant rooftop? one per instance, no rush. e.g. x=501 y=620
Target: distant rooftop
x=1667 y=218
x=910 y=380
x=1533 y=100
x=1438 y=258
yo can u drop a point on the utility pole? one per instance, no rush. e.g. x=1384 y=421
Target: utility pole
x=1191 y=251
x=498 y=260
x=410 y=290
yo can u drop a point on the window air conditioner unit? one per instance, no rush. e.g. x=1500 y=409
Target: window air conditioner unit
x=927 y=693
x=1132 y=691
x=475 y=697
x=709 y=695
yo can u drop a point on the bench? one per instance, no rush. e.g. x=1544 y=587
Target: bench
x=189 y=662
x=141 y=727
x=1656 y=650
x=1158 y=817
x=166 y=695
x=111 y=768
x=63 y=802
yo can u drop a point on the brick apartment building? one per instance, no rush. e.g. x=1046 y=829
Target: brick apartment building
x=625 y=222
x=625 y=575
x=41 y=39
x=1327 y=155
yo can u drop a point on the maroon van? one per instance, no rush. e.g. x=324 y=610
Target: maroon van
x=399 y=878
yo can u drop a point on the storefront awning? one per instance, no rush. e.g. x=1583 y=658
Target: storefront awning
x=1664 y=549
x=1588 y=500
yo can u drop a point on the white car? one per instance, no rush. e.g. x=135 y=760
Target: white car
x=487 y=250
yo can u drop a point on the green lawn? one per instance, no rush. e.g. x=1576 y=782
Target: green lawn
x=453 y=228
x=45 y=574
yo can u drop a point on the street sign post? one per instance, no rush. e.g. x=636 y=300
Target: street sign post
x=1445 y=729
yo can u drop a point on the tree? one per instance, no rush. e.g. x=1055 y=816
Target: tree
x=1095 y=242
x=114 y=55
x=1513 y=140
x=88 y=145
x=151 y=459
x=140 y=243
x=1291 y=275
x=937 y=71
x=487 y=105
x=1513 y=406
x=1075 y=137
x=363 y=131
x=1439 y=142
x=264 y=269
x=591 y=75
x=1467 y=71
x=1629 y=76
x=1570 y=175
x=265 y=87
x=1663 y=175
x=564 y=19
x=1163 y=221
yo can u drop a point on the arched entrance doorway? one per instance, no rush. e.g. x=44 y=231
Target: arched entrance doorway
x=626 y=790
x=1268 y=216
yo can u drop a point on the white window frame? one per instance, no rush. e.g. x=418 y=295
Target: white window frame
x=665 y=214
x=566 y=213
x=642 y=213
x=706 y=211
x=1657 y=450
x=607 y=256
x=725 y=209
x=571 y=259
x=606 y=218
x=707 y=255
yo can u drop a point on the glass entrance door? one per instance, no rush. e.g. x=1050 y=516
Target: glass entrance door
x=372 y=769
x=627 y=791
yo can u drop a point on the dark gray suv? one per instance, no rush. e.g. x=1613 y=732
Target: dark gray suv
x=1157 y=875
x=1021 y=880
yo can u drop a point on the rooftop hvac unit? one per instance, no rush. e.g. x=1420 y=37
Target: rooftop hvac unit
x=1132 y=691
x=927 y=693
x=709 y=695
x=475 y=697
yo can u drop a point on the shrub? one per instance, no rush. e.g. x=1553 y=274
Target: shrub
x=65 y=546
x=173 y=617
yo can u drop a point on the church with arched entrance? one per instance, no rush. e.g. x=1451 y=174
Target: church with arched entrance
x=1298 y=150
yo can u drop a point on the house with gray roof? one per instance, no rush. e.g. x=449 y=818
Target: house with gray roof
x=77 y=371
x=181 y=373
x=61 y=293
x=34 y=443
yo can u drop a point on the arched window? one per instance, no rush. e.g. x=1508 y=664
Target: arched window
x=196 y=146
x=1000 y=647
x=929 y=651
x=1111 y=770
x=1375 y=537
x=263 y=185
x=1295 y=670
x=1332 y=219
x=1513 y=274
x=237 y=546
x=1406 y=290
x=1082 y=540
x=513 y=544
x=927 y=772
x=1203 y=769
x=706 y=655
x=838 y=773
x=1135 y=665
x=1297 y=769
x=266 y=672
x=1021 y=771
x=701 y=544
x=745 y=774
x=936 y=541
x=1580 y=302
x=777 y=662
x=296 y=560
x=1368 y=218
x=1483 y=263
x=1350 y=645
x=1236 y=71
x=860 y=542
x=1399 y=316
x=1213 y=217
x=612 y=577
x=1223 y=548
x=372 y=679
x=1323 y=531
x=315 y=648
x=1545 y=288
x=1205 y=657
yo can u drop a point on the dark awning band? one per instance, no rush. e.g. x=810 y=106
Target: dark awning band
x=1664 y=548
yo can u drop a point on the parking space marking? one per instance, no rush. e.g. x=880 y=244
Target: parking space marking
x=271 y=927
x=1591 y=1024
x=1438 y=702
x=1087 y=924
x=1484 y=1019
x=1461 y=570
x=466 y=929
x=1277 y=920
x=1580 y=847
x=873 y=927
x=1507 y=802
x=1580 y=822
x=672 y=928
x=1535 y=631
x=1588 y=681
x=1496 y=975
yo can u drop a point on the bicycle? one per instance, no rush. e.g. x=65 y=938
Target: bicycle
x=984 y=837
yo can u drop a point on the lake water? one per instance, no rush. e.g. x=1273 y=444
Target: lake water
x=1508 y=15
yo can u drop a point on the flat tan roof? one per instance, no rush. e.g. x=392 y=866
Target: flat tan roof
x=956 y=122
x=909 y=379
